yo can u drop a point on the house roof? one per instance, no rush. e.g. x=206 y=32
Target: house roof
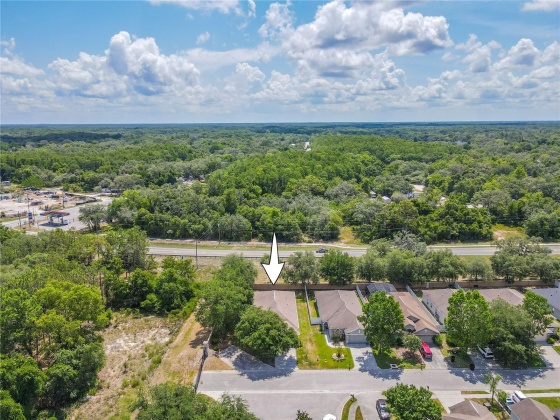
x=380 y=287
x=468 y=410
x=440 y=297
x=340 y=308
x=413 y=313
x=281 y=302
x=551 y=294
x=529 y=409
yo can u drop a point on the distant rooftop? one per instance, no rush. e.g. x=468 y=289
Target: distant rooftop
x=440 y=297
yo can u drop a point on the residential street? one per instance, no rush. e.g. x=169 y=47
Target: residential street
x=277 y=395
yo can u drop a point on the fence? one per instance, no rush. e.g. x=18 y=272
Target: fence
x=360 y=295
x=205 y=353
x=301 y=287
x=312 y=320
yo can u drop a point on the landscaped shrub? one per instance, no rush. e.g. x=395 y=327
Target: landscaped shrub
x=449 y=342
x=550 y=340
x=438 y=340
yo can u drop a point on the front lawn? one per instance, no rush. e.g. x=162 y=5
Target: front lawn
x=386 y=359
x=462 y=359
x=557 y=348
x=314 y=352
x=536 y=362
x=551 y=402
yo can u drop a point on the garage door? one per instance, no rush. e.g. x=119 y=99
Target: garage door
x=355 y=339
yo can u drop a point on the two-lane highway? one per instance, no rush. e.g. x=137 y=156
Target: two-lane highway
x=354 y=252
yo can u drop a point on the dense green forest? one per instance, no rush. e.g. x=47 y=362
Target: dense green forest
x=238 y=182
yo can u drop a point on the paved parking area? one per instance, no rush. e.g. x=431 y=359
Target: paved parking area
x=550 y=356
x=363 y=358
x=438 y=361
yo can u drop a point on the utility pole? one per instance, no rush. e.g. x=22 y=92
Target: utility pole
x=219 y=233
x=196 y=252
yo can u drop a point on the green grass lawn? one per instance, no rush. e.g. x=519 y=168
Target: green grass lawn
x=346 y=409
x=551 y=402
x=314 y=352
x=441 y=407
x=385 y=359
x=557 y=348
x=359 y=415
x=540 y=391
x=462 y=359
x=536 y=362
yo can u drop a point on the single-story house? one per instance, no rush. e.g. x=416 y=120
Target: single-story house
x=551 y=294
x=339 y=311
x=437 y=301
x=468 y=410
x=529 y=409
x=380 y=287
x=281 y=302
x=416 y=320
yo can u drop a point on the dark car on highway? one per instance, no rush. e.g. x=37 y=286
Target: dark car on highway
x=382 y=410
x=322 y=251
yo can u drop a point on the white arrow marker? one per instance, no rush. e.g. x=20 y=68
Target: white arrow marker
x=274 y=268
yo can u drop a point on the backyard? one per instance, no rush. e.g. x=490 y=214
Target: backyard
x=314 y=352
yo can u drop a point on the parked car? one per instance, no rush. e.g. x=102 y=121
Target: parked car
x=518 y=396
x=486 y=352
x=322 y=251
x=425 y=350
x=509 y=401
x=382 y=410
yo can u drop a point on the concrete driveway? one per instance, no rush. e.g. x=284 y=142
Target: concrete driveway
x=550 y=356
x=438 y=361
x=363 y=357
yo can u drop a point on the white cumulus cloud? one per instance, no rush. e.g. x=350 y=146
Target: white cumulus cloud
x=202 y=38
x=541 y=5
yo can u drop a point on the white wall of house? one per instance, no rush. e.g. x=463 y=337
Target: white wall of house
x=433 y=309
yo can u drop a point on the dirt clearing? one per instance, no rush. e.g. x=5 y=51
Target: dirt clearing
x=133 y=349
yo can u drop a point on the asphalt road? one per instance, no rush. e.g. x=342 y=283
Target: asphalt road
x=278 y=395
x=354 y=252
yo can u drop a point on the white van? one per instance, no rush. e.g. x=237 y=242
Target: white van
x=486 y=352
x=518 y=396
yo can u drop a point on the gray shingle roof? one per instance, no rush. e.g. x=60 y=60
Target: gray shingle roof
x=281 y=302
x=468 y=410
x=551 y=294
x=414 y=313
x=529 y=409
x=340 y=308
x=440 y=297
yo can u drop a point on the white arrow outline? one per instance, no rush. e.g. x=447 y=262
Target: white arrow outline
x=273 y=268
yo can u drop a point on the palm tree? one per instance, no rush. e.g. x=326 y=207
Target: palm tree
x=493 y=381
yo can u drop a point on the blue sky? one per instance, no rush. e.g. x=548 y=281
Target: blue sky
x=245 y=61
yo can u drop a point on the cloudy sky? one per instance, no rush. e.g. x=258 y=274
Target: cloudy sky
x=174 y=61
